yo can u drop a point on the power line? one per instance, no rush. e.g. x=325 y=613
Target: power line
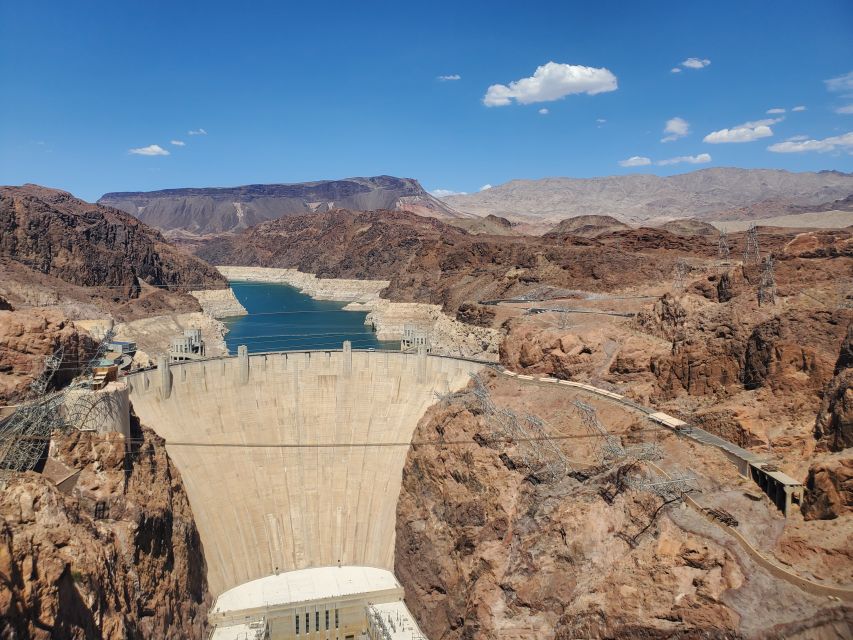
x=414 y=443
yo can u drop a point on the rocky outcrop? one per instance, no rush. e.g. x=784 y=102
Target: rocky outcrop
x=724 y=288
x=820 y=244
x=845 y=354
x=485 y=553
x=208 y=211
x=586 y=226
x=559 y=353
x=834 y=423
x=829 y=488
x=665 y=319
x=117 y=558
x=475 y=314
x=28 y=336
x=54 y=233
x=219 y=303
x=794 y=350
x=722 y=352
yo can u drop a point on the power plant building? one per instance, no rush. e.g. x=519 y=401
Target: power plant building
x=329 y=603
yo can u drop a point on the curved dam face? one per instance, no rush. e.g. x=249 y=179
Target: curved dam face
x=293 y=460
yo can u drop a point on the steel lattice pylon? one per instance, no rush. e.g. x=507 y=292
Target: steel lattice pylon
x=24 y=436
x=751 y=254
x=668 y=488
x=767 y=286
x=539 y=453
x=682 y=269
x=723 y=250
x=611 y=446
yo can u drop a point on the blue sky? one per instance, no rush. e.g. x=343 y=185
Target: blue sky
x=288 y=92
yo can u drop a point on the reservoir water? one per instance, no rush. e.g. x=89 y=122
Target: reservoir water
x=283 y=319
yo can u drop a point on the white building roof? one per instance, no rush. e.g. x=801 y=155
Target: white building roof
x=304 y=585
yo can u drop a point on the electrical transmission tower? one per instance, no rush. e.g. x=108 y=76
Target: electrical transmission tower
x=767 y=286
x=723 y=250
x=751 y=254
x=610 y=446
x=682 y=268
x=25 y=435
x=669 y=488
x=538 y=453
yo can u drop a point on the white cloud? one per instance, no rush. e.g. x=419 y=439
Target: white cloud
x=452 y=76
x=600 y=120
x=696 y=63
x=551 y=81
x=150 y=150
x=178 y=143
x=796 y=138
x=675 y=128
x=197 y=132
x=843 y=142
x=543 y=111
x=485 y=187
x=702 y=158
x=746 y=132
x=841 y=83
x=444 y=193
x=635 y=161
x=846 y=110
x=799 y=108
x=775 y=111
x=675 y=70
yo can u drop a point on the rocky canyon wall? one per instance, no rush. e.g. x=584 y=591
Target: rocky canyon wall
x=132 y=568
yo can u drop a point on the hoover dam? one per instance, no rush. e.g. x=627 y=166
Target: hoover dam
x=293 y=461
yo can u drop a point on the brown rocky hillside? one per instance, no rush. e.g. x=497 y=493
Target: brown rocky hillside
x=137 y=573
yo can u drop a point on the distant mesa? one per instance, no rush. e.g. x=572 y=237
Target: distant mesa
x=207 y=211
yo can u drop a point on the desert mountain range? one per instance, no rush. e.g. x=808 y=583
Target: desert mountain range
x=207 y=211
x=649 y=199
x=536 y=205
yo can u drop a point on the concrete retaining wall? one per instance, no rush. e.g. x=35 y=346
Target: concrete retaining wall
x=293 y=460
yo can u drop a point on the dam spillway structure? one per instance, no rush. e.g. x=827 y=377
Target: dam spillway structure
x=293 y=463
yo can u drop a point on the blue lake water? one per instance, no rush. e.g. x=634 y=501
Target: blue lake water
x=281 y=318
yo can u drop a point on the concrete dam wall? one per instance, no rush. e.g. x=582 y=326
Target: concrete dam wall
x=293 y=460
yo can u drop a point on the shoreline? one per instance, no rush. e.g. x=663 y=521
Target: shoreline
x=448 y=335
x=337 y=289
